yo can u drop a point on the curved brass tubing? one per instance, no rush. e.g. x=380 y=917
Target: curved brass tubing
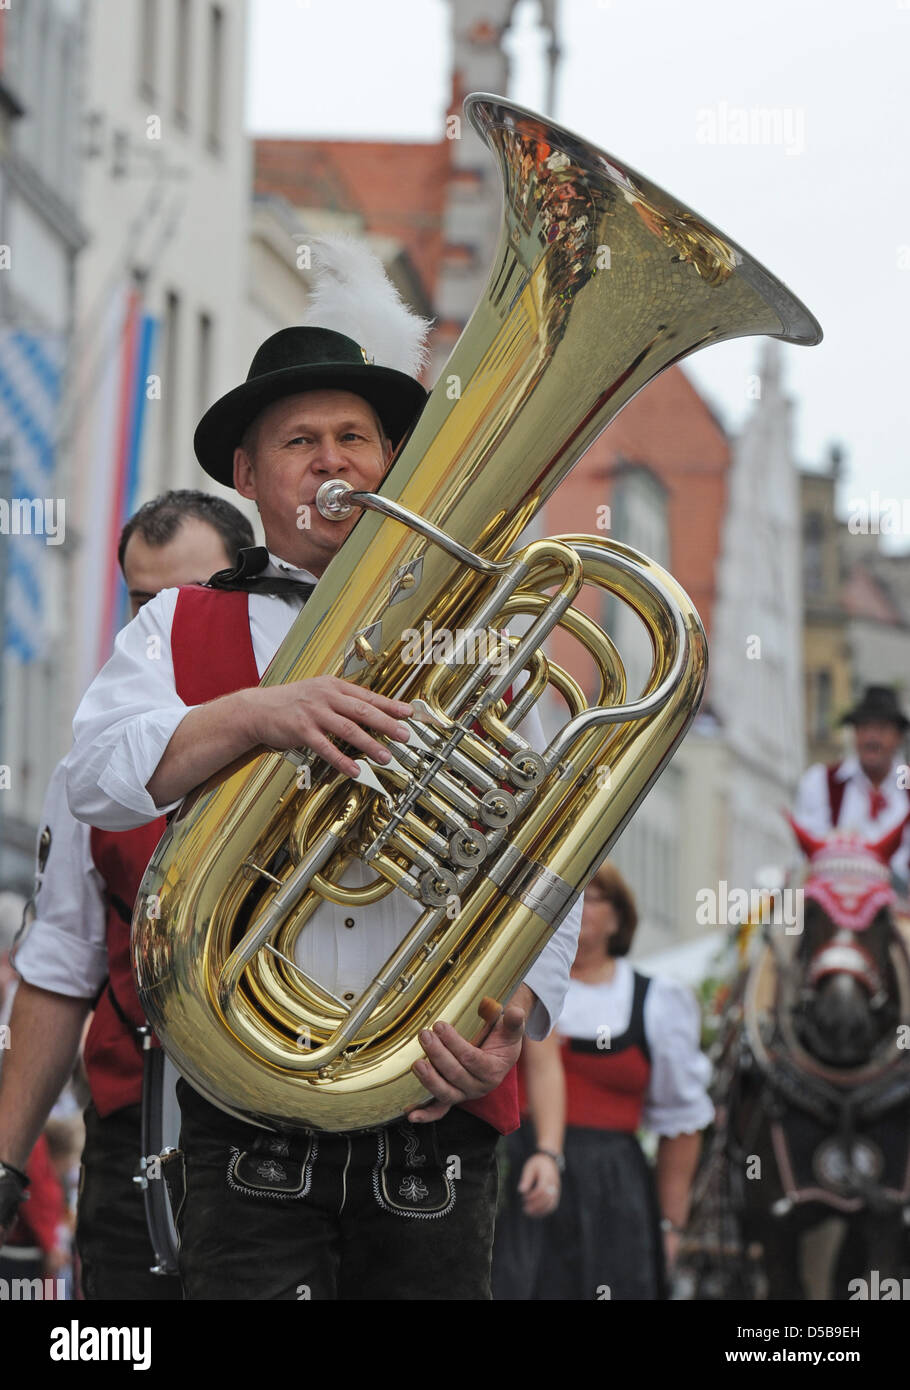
x=555 y=348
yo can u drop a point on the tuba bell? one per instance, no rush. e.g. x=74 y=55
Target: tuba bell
x=600 y=280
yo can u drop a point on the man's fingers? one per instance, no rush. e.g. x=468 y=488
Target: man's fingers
x=454 y=1070
x=426 y=1113
x=513 y=1022
x=360 y=714
x=326 y=750
x=349 y=732
x=462 y=1064
x=437 y=1084
x=350 y=721
x=398 y=709
x=306 y=712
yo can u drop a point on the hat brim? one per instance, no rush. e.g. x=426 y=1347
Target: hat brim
x=874 y=716
x=397 y=399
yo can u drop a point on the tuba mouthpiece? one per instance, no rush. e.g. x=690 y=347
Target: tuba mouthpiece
x=330 y=501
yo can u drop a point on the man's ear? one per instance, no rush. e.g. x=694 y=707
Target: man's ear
x=244 y=474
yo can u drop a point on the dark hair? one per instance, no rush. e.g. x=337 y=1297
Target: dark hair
x=614 y=888
x=159 y=521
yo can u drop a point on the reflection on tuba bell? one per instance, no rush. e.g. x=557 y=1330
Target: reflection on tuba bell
x=600 y=280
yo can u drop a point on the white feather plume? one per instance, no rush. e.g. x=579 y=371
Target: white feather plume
x=352 y=294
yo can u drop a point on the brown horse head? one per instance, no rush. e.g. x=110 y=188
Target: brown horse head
x=848 y=994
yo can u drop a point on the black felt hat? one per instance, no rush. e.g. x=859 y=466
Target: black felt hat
x=303 y=359
x=879 y=704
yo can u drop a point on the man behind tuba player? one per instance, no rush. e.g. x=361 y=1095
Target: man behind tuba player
x=74 y=958
x=289 y=1216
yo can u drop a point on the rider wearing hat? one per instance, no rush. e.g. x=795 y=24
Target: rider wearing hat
x=867 y=791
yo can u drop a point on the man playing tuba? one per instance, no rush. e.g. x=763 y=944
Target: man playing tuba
x=272 y=1215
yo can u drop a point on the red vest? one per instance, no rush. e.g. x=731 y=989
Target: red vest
x=606 y=1087
x=113 y=1053
x=836 y=790
x=213 y=655
x=604 y=1090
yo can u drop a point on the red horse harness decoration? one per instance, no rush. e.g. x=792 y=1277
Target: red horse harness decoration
x=851 y=882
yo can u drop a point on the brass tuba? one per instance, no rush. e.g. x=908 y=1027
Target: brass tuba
x=600 y=280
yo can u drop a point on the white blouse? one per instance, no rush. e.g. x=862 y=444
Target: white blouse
x=676 y=1101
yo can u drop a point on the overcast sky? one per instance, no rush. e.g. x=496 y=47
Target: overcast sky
x=826 y=206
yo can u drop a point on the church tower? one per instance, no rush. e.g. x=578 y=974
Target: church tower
x=482 y=31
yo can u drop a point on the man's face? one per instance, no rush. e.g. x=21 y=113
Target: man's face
x=877 y=741
x=299 y=443
x=191 y=557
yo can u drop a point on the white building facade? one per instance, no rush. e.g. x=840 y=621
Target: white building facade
x=40 y=238
x=161 y=285
x=756 y=687
x=124 y=209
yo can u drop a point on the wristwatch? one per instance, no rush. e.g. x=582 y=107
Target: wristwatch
x=668 y=1225
x=558 y=1159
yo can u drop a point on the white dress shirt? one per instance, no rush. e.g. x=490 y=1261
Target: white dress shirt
x=812 y=808
x=125 y=722
x=65 y=947
x=676 y=1101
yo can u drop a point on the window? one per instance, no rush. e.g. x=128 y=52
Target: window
x=821 y=712
x=50 y=76
x=182 y=42
x=216 y=78
x=66 y=164
x=29 y=77
x=148 y=47
x=169 y=379
x=203 y=363
x=813 y=554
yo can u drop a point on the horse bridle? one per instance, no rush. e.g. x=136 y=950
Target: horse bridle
x=793 y=1075
x=843 y=956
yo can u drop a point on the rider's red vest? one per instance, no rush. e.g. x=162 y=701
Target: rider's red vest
x=213 y=655
x=836 y=789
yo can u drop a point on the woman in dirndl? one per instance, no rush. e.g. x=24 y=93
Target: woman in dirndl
x=584 y=1215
